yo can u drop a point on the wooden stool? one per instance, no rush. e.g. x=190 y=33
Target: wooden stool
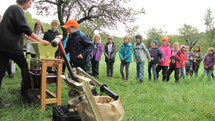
x=44 y=76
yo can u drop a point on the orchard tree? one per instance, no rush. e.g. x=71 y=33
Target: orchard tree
x=154 y=34
x=106 y=12
x=190 y=35
x=209 y=23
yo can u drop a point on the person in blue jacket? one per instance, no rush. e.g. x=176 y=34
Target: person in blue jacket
x=125 y=53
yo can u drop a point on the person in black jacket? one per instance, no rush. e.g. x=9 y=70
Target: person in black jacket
x=79 y=47
x=110 y=50
x=12 y=28
x=51 y=34
x=155 y=53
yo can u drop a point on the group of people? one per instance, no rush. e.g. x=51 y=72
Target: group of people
x=84 y=53
x=178 y=59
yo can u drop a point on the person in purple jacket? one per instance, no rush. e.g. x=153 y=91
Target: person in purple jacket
x=96 y=55
x=209 y=62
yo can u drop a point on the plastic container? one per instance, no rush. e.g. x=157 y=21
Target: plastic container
x=44 y=51
x=61 y=113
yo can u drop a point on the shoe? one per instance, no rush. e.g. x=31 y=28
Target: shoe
x=30 y=94
x=122 y=79
x=141 y=81
x=2 y=105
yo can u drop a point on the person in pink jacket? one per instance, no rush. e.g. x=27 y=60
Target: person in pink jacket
x=163 y=64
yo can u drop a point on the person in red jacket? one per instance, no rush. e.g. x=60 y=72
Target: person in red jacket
x=182 y=57
x=172 y=66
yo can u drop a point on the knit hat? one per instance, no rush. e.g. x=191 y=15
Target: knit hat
x=110 y=37
x=183 y=46
x=155 y=42
x=166 y=39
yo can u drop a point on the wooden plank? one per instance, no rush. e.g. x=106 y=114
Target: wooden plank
x=91 y=101
x=43 y=85
x=51 y=100
x=59 y=83
x=50 y=93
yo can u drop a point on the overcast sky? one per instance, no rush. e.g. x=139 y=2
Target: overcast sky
x=169 y=15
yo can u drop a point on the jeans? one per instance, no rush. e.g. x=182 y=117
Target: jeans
x=208 y=72
x=126 y=64
x=153 y=67
x=140 y=70
x=164 y=71
x=182 y=72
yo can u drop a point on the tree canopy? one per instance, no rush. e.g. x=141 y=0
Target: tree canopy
x=104 y=13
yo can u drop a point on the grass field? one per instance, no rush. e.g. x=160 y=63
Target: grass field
x=191 y=99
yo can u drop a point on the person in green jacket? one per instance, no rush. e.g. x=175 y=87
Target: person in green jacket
x=125 y=53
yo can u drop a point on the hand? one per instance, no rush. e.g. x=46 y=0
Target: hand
x=152 y=58
x=109 y=58
x=206 y=67
x=80 y=56
x=123 y=59
x=135 y=61
x=28 y=55
x=58 y=57
x=45 y=42
x=194 y=60
x=162 y=59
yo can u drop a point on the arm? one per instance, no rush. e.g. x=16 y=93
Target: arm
x=129 y=53
x=177 y=57
x=168 y=55
x=101 y=50
x=28 y=47
x=34 y=38
x=134 y=56
x=185 y=58
x=105 y=53
x=120 y=53
x=147 y=52
x=211 y=64
x=161 y=54
x=114 y=52
x=87 y=44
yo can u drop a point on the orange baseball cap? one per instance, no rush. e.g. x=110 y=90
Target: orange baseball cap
x=70 y=23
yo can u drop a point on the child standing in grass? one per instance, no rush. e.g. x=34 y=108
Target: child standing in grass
x=155 y=53
x=209 y=62
x=140 y=53
x=110 y=50
x=174 y=63
x=197 y=58
x=125 y=56
x=189 y=64
x=183 y=62
x=96 y=55
x=163 y=64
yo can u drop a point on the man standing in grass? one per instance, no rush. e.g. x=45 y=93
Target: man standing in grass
x=140 y=53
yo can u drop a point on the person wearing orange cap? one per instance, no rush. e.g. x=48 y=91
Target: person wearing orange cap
x=79 y=47
x=164 y=63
